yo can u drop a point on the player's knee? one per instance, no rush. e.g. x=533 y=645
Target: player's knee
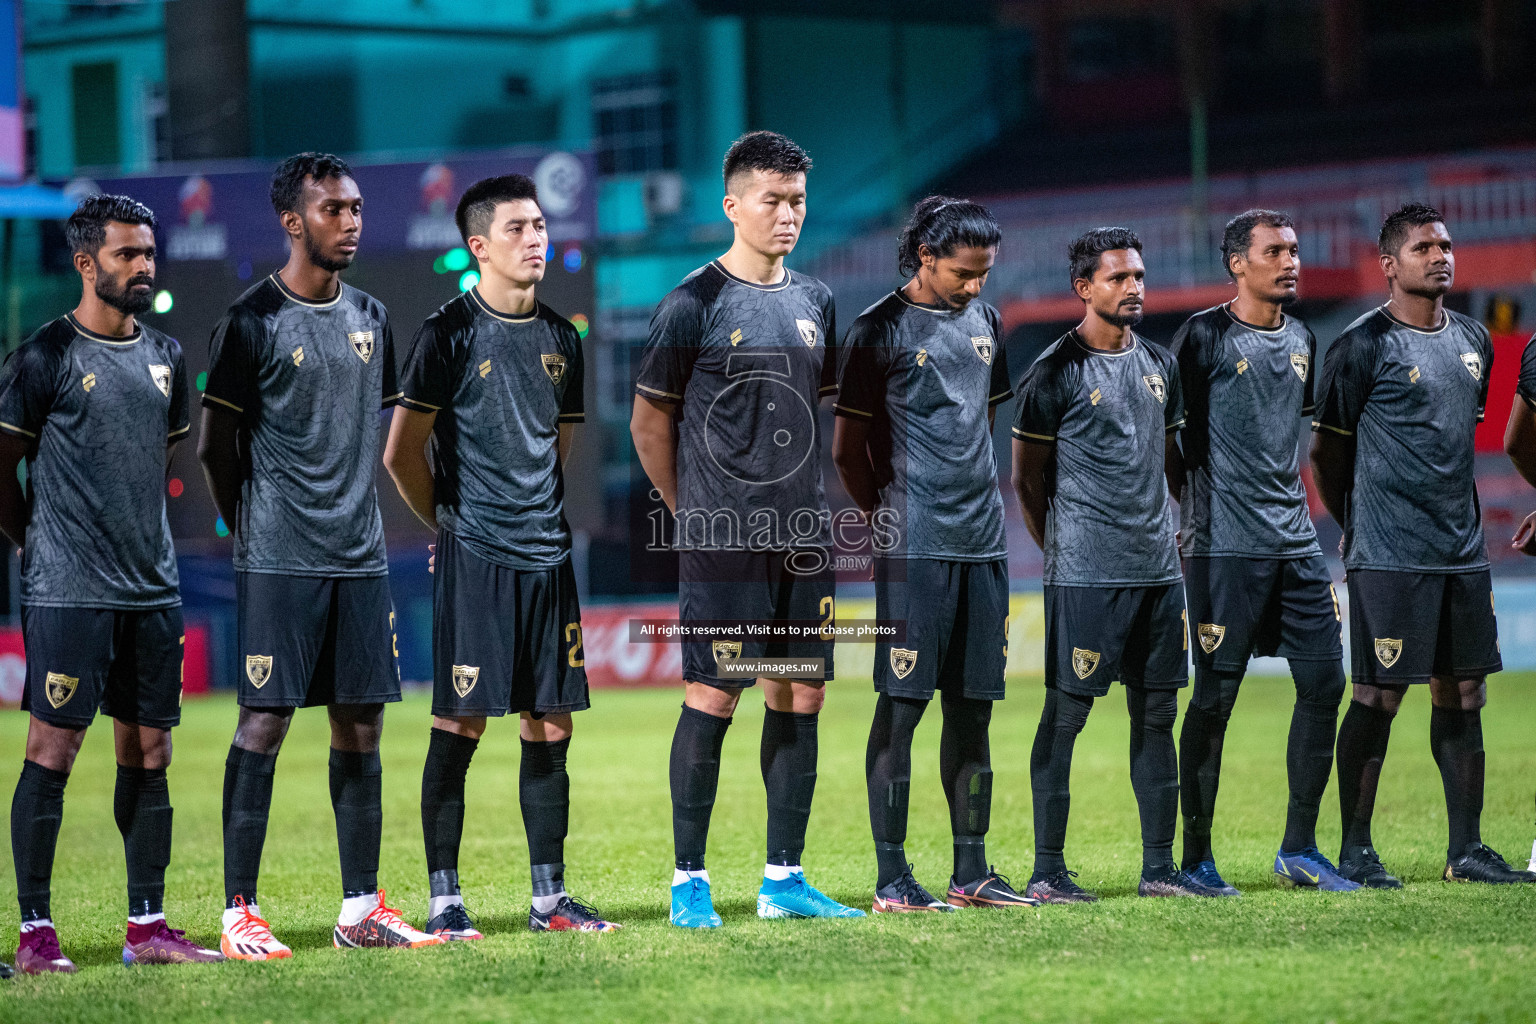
x=1319 y=682
x=52 y=746
x=262 y=731
x=1070 y=710
x=1386 y=699
x=1459 y=695
x=974 y=716
x=1159 y=709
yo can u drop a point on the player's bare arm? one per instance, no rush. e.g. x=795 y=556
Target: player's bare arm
x=1031 y=462
x=220 y=456
x=654 y=431
x=850 y=454
x=13 y=502
x=405 y=456
x=1333 y=469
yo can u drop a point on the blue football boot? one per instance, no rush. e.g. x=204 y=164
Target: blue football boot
x=795 y=897
x=1309 y=869
x=1206 y=874
x=692 y=906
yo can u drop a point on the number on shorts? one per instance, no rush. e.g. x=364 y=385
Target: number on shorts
x=574 y=656
x=1006 y=620
x=1335 y=595
x=1184 y=620
x=826 y=622
x=394 y=638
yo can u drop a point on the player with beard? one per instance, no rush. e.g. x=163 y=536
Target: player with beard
x=725 y=427
x=494 y=381
x=923 y=373
x=1401 y=393
x=1254 y=574
x=94 y=402
x=1520 y=445
x=298 y=372
x=1096 y=419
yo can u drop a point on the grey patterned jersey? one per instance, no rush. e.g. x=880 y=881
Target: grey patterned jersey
x=748 y=364
x=307 y=380
x=97 y=413
x=1410 y=400
x=500 y=386
x=1108 y=415
x=1246 y=389
x=925 y=379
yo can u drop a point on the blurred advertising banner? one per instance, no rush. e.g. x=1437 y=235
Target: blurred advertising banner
x=13 y=664
x=223 y=212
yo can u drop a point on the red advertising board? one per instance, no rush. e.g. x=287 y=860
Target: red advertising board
x=13 y=664
x=612 y=660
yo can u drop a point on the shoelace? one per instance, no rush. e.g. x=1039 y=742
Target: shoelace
x=587 y=909
x=48 y=944
x=167 y=932
x=911 y=890
x=387 y=916
x=1489 y=855
x=249 y=925
x=1063 y=880
x=993 y=874
x=458 y=918
x=698 y=891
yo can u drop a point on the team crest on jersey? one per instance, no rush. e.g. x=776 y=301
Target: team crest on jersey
x=983 y=347
x=59 y=688
x=1157 y=386
x=1084 y=662
x=161 y=375
x=88 y=382
x=362 y=344
x=554 y=365
x=922 y=356
x=807 y=332
x=1474 y=364
x=258 y=669
x=1301 y=363
x=1211 y=636
x=1388 y=651
x=464 y=678
x=903 y=662
x=727 y=650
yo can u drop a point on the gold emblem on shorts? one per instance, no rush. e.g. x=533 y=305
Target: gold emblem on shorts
x=983 y=347
x=1474 y=364
x=554 y=365
x=903 y=662
x=464 y=678
x=727 y=650
x=258 y=669
x=1084 y=662
x=59 y=687
x=1388 y=651
x=1301 y=362
x=161 y=375
x=1157 y=386
x=1211 y=636
x=362 y=344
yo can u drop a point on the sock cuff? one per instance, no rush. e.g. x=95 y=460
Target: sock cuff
x=703 y=718
x=544 y=758
x=1375 y=714
x=451 y=746
x=250 y=762
x=789 y=720
x=44 y=773
x=140 y=776
x=356 y=763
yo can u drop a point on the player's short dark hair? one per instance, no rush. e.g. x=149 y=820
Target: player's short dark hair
x=288 y=180
x=86 y=229
x=1394 y=230
x=944 y=225
x=1238 y=237
x=764 y=151
x=1084 y=252
x=477 y=206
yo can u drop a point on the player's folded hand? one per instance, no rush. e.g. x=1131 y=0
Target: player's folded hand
x=1525 y=537
x=431 y=558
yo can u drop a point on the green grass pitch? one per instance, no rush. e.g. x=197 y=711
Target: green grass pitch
x=1435 y=951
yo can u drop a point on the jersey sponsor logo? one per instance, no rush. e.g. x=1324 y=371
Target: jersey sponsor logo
x=1211 y=636
x=903 y=662
x=485 y=369
x=1242 y=367
x=1093 y=399
x=1474 y=364
x=88 y=382
x=983 y=347
x=1301 y=363
x=1413 y=375
x=808 y=331
x=298 y=355
x=362 y=344
x=727 y=650
x=59 y=687
x=1388 y=651
x=1157 y=386
x=554 y=365
x=161 y=375
x=258 y=669
x=464 y=678
x=736 y=337
x=922 y=356
x=1084 y=662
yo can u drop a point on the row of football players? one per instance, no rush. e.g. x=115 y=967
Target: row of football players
x=493 y=382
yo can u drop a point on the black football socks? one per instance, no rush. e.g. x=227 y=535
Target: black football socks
x=694 y=771
x=142 y=807
x=544 y=793
x=1309 y=748
x=442 y=806
x=1200 y=744
x=965 y=767
x=1050 y=772
x=247 y=802
x=888 y=777
x=788 y=759
x=37 y=809
x=356 y=799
